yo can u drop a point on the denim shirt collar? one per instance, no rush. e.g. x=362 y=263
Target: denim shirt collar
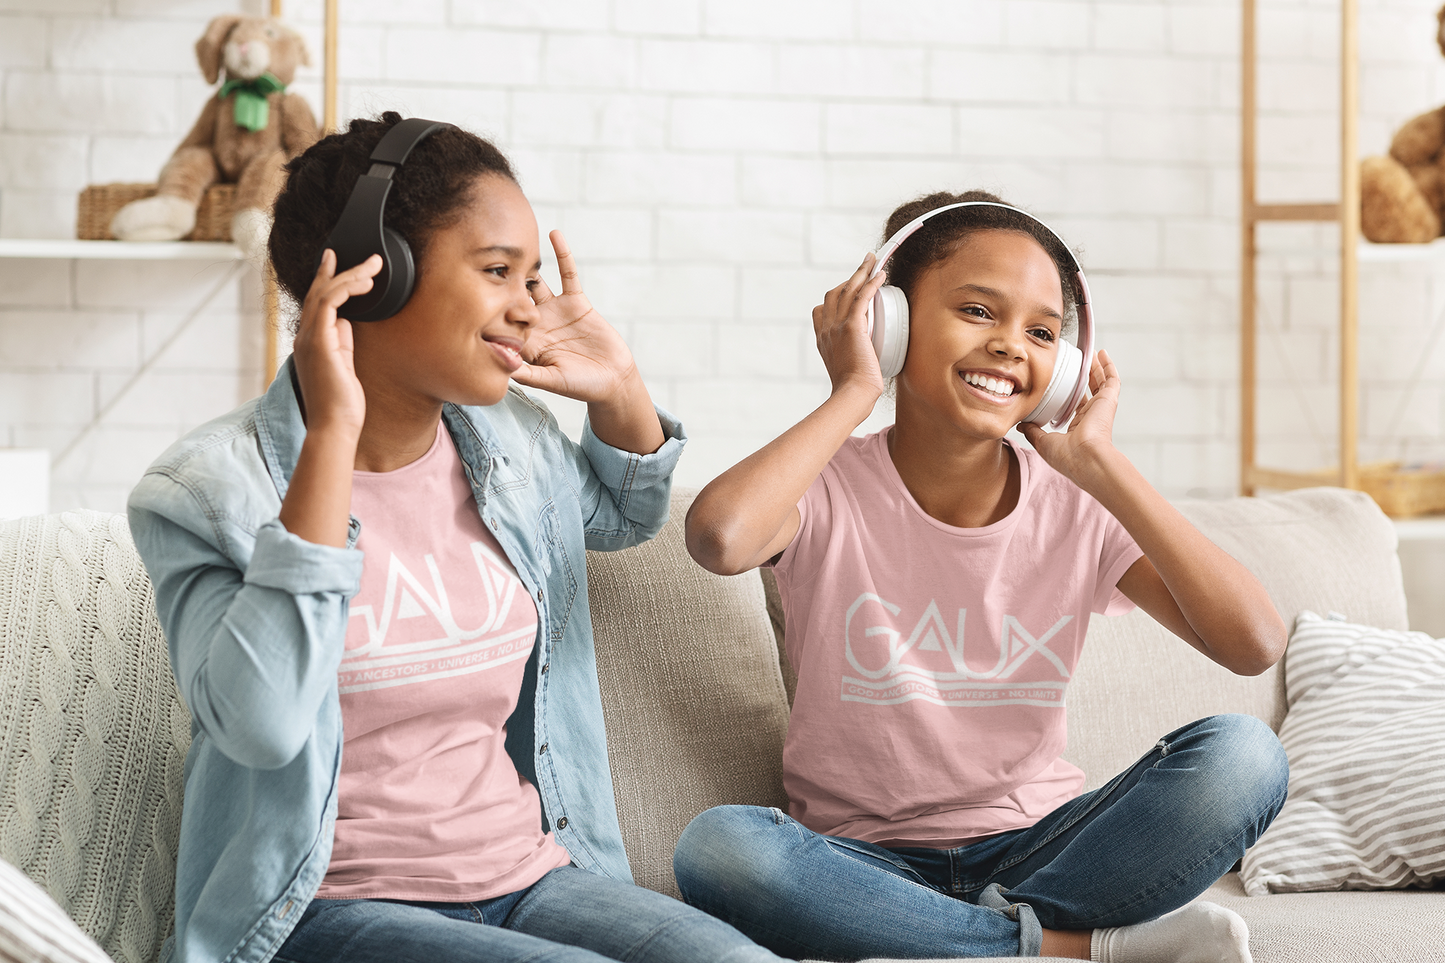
x=280 y=429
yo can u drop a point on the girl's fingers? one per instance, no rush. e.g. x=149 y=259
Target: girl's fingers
x=541 y=293
x=859 y=285
x=870 y=287
x=859 y=277
x=571 y=281
x=327 y=267
x=1104 y=373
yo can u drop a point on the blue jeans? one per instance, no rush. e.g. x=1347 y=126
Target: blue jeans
x=568 y=916
x=1150 y=841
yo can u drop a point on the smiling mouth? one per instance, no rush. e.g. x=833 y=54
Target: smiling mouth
x=998 y=387
x=508 y=351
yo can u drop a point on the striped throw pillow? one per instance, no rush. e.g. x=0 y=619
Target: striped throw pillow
x=1365 y=734
x=34 y=930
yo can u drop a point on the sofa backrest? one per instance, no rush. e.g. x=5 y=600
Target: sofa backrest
x=696 y=708
x=93 y=735
x=1324 y=549
x=691 y=690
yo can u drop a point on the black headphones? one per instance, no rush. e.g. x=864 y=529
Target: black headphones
x=360 y=232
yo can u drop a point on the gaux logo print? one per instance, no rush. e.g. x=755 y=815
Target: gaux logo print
x=415 y=637
x=930 y=662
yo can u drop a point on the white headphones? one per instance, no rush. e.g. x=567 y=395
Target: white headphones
x=888 y=326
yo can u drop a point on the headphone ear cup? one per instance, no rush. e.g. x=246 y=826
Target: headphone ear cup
x=890 y=329
x=391 y=286
x=403 y=273
x=1068 y=364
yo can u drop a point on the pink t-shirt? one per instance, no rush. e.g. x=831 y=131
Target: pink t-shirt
x=932 y=660
x=431 y=806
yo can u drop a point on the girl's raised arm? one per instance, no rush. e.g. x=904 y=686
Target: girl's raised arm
x=749 y=513
x=1187 y=583
x=317 y=506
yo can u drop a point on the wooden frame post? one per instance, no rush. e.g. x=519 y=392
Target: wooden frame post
x=328 y=102
x=1349 y=244
x=1347 y=212
x=1247 y=252
x=270 y=297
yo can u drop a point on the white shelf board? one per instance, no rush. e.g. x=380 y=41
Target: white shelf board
x=1402 y=252
x=120 y=250
x=1427 y=528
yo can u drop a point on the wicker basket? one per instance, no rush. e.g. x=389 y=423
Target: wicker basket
x=1404 y=491
x=99 y=202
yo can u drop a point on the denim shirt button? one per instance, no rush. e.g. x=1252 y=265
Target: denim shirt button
x=494 y=523
x=546 y=666
x=543 y=749
x=562 y=823
x=539 y=595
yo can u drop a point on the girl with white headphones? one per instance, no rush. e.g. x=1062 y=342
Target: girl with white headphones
x=937 y=579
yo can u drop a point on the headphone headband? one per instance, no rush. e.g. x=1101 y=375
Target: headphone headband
x=397 y=143
x=893 y=348
x=361 y=230
x=891 y=246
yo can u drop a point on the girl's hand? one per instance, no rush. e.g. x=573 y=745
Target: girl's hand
x=1078 y=452
x=572 y=351
x=317 y=506
x=840 y=325
x=324 y=352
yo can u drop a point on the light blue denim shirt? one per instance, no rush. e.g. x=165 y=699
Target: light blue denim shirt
x=256 y=620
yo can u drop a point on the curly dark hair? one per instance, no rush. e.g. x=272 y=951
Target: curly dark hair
x=427 y=194
x=940 y=236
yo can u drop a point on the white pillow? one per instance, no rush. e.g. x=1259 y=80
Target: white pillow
x=1365 y=734
x=34 y=930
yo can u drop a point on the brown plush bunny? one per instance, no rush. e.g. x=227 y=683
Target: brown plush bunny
x=1402 y=196
x=247 y=131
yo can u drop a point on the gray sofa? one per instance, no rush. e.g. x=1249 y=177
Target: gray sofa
x=92 y=732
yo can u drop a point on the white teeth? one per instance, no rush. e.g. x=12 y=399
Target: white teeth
x=997 y=386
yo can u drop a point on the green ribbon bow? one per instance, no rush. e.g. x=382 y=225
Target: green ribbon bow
x=251 y=109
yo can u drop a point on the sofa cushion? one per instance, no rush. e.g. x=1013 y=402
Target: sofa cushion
x=95 y=734
x=1397 y=926
x=691 y=692
x=1365 y=733
x=1319 y=548
x=34 y=930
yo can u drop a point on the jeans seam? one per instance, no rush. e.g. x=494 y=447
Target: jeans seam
x=636 y=948
x=895 y=861
x=1179 y=876
x=1107 y=790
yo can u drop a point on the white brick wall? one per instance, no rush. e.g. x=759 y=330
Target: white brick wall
x=718 y=164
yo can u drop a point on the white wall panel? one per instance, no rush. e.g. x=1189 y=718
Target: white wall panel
x=719 y=164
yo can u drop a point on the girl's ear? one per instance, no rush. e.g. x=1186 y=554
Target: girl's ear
x=208 y=48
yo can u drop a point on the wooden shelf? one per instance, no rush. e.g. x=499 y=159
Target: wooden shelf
x=119 y=250
x=1345 y=211
x=1254 y=476
x=1426 y=528
x=1387 y=253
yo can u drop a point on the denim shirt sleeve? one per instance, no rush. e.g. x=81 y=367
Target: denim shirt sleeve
x=255 y=638
x=625 y=496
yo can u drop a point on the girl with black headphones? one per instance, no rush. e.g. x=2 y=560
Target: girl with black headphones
x=372 y=580
x=937 y=579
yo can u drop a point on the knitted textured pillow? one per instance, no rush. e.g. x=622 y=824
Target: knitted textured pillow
x=93 y=735
x=1365 y=734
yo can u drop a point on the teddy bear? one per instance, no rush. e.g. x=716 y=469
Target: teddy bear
x=1402 y=195
x=246 y=133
